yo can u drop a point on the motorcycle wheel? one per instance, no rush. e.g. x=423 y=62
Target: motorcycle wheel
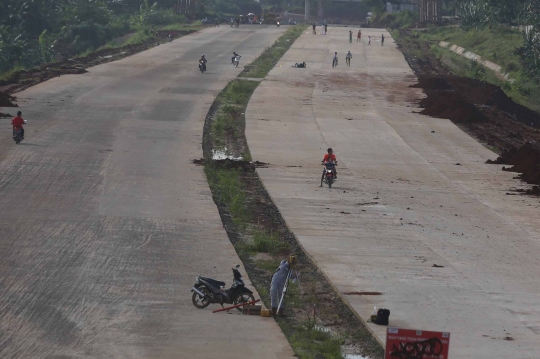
x=198 y=301
x=242 y=298
x=329 y=183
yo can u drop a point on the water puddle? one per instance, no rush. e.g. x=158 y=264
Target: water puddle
x=321 y=328
x=222 y=154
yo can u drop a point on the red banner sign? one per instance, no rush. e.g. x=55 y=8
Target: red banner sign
x=416 y=344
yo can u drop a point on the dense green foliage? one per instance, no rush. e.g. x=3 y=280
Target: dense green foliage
x=475 y=14
x=498 y=44
x=36 y=31
x=395 y=20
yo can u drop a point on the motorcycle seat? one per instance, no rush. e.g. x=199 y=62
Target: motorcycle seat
x=217 y=283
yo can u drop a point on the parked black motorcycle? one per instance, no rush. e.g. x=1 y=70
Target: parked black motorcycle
x=208 y=290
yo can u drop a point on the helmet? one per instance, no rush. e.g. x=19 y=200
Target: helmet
x=329 y=150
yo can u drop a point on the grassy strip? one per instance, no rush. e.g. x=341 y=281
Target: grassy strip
x=231 y=194
x=269 y=58
x=141 y=35
x=497 y=44
x=237 y=191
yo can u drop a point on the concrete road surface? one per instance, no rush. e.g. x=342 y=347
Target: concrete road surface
x=104 y=221
x=412 y=192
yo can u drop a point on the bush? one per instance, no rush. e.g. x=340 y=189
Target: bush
x=511 y=66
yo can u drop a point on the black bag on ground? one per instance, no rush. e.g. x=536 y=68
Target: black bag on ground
x=382 y=316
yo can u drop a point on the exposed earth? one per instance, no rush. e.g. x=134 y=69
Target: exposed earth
x=481 y=109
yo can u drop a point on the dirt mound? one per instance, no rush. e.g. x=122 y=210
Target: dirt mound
x=465 y=100
x=432 y=83
x=524 y=160
x=452 y=106
x=7 y=100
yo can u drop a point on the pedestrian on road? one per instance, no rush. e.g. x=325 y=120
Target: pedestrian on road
x=314 y=26
x=350 y=37
x=369 y=40
x=334 y=60
x=325 y=28
x=382 y=40
x=348 y=58
x=217 y=23
x=359 y=36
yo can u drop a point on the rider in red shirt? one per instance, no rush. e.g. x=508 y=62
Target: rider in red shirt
x=329 y=157
x=18 y=122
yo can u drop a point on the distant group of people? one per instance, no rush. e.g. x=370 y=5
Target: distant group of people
x=235 y=22
x=324 y=28
x=359 y=37
x=348 y=57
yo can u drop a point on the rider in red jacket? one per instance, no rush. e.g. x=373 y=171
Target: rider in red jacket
x=18 y=122
x=329 y=157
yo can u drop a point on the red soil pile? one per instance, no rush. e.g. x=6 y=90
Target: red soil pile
x=465 y=100
x=524 y=160
x=6 y=100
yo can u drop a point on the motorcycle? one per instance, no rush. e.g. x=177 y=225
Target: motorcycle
x=277 y=23
x=202 y=67
x=329 y=177
x=170 y=37
x=208 y=290
x=17 y=135
x=236 y=60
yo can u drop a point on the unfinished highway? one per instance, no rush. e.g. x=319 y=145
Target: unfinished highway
x=104 y=221
x=415 y=215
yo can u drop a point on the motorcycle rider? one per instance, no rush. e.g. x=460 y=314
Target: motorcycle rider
x=234 y=57
x=203 y=61
x=17 y=123
x=329 y=158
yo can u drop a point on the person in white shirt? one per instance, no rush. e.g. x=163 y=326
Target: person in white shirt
x=348 y=58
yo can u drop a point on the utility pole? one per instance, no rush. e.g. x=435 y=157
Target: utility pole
x=321 y=10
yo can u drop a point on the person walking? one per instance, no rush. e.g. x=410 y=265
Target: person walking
x=217 y=23
x=382 y=40
x=314 y=30
x=334 y=60
x=348 y=58
x=369 y=40
x=359 y=36
x=350 y=37
x=325 y=28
